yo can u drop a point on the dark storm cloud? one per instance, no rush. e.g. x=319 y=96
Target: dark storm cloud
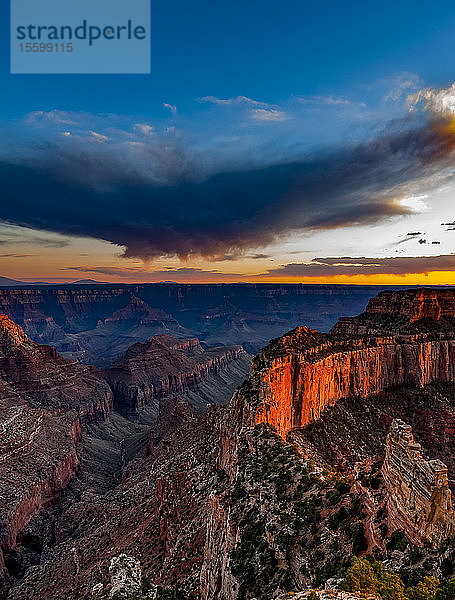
x=346 y=265
x=180 y=274
x=162 y=200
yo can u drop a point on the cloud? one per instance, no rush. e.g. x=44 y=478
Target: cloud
x=346 y=265
x=17 y=255
x=126 y=272
x=171 y=107
x=60 y=117
x=318 y=267
x=439 y=102
x=179 y=274
x=329 y=100
x=99 y=137
x=233 y=101
x=144 y=128
x=256 y=110
x=258 y=256
x=401 y=85
x=13 y=235
x=269 y=114
x=160 y=195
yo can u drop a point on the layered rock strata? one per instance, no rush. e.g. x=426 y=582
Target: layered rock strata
x=44 y=399
x=406 y=311
x=419 y=499
x=166 y=366
x=96 y=324
x=205 y=510
x=304 y=372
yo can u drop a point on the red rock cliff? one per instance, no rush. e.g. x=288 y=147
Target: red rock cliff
x=406 y=311
x=305 y=372
x=419 y=499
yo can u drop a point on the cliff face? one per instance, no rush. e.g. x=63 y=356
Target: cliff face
x=411 y=310
x=297 y=377
x=166 y=366
x=51 y=414
x=419 y=499
x=158 y=512
x=43 y=401
x=302 y=379
x=226 y=509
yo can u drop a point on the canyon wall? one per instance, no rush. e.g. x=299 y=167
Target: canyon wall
x=44 y=400
x=166 y=366
x=302 y=379
x=405 y=311
x=419 y=500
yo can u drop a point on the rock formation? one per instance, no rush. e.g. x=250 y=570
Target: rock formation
x=304 y=372
x=44 y=399
x=166 y=366
x=408 y=311
x=419 y=499
x=224 y=508
x=51 y=426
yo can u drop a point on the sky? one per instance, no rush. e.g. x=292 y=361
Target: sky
x=291 y=142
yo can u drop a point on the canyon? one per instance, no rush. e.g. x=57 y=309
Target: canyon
x=62 y=435
x=164 y=366
x=313 y=460
x=96 y=324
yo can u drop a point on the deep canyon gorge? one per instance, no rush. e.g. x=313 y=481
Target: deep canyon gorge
x=228 y=477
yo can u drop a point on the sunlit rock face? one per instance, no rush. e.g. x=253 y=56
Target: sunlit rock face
x=10 y=334
x=407 y=311
x=219 y=485
x=419 y=499
x=299 y=379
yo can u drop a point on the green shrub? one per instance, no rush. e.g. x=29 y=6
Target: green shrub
x=425 y=590
x=360 y=577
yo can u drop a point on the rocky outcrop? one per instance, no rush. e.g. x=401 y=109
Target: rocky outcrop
x=158 y=513
x=304 y=372
x=165 y=366
x=405 y=311
x=225 y=508
x=139 y=311
x=49 y=408
x=39 y=376
x=419 y=499
x=44 y=399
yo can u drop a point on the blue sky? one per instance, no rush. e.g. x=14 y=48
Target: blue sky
x=283 y=92
x=263 y=50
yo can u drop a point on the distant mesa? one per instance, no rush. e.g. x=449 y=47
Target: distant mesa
x=8 y=282
x=88 y=282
